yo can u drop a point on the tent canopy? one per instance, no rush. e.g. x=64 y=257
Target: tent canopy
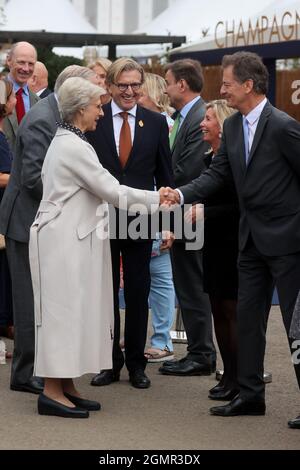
x=276 y=22
x=196 y=18
x=57 y=16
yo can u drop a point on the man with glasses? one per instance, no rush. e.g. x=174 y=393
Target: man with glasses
x=132 y=144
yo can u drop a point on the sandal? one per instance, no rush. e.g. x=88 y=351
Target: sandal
x=158 y=355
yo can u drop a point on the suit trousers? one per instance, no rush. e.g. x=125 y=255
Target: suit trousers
x=136 y=258
x=23 y=308
x=257 y=275
x=194 y=303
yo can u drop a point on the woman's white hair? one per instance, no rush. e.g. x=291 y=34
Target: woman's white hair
x=74 y=94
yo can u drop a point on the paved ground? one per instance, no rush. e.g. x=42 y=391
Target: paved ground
x=172 y=414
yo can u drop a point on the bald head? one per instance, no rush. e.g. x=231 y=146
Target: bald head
x=39 y=78
x=21 y=60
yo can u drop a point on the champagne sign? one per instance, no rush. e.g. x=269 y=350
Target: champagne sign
x=261 y=30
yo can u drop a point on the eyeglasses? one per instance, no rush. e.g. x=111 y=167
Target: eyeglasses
x=124 y=86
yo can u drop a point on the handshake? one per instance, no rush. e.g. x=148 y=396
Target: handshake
x=168 y=197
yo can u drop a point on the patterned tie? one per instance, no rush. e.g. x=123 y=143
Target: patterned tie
x=246 y=138
x=20 y=108
x=125 y=144
x=174 y=131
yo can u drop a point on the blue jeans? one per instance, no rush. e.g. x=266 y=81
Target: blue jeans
x=162 y=301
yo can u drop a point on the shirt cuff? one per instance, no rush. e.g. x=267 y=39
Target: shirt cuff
x=181 y=196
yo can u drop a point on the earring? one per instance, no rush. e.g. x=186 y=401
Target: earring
x=220 y=135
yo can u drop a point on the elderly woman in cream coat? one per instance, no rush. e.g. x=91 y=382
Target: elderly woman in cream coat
x=70 y=255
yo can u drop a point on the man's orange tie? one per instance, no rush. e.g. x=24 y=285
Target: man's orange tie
x=125 y=144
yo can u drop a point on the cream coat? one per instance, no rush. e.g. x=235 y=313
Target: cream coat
x=71 y=264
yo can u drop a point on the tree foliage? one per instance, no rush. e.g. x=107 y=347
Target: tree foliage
x=55 y=63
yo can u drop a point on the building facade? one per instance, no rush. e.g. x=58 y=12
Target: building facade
x=120 y=16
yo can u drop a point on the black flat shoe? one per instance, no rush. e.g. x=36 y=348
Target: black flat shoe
x=224 y=394
x=34 y=385
x=175 y=361
x=187 y=367
x=294 y=423
x=89 y=405
x=139 y=379
x=106 y=377
x=240 y=406
x=216 y=389
x=49 y=407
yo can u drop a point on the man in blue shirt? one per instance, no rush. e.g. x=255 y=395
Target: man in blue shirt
x=21 y=60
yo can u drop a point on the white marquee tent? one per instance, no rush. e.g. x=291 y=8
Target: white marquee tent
x=196 y=19
x=276 y=18
x=56 y=16
x=193 y=17
x=189 y=18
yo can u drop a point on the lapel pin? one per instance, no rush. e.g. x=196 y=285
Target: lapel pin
x=141 y=124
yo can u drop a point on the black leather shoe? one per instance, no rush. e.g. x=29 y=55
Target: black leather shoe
x=174 y=361
x=105 y=377
x=49 y=407
x=186 y=367
x=139 y=379
x=239 y=406
x=294 y=423
x=34 y=385
x=216 y=389
x=224 y=394
x=89 y=405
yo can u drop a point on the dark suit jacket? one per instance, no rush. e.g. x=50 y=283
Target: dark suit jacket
x=150 y=160
x=268 y=187
x=10 y=123
x=188 y=153
x=45 y=93
x=189 y=148
x=150 y=156
x=24 y=190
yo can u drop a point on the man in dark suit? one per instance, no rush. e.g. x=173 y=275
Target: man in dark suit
x=18 y=209
x=260 y=151
x=38 y=82
x=132 y=144
x=21 y=60
x=184 y=80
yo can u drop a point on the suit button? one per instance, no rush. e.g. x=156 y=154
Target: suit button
x=124 y=174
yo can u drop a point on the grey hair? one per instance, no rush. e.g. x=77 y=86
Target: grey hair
x=74 y=94
x=73 y=71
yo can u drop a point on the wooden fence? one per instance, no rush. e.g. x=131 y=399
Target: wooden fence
x=284 y=90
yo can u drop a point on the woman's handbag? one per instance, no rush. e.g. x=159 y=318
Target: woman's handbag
x=2 y=242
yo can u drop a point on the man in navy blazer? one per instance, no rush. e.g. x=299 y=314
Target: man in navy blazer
x=148 y=164
x=260 y=152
